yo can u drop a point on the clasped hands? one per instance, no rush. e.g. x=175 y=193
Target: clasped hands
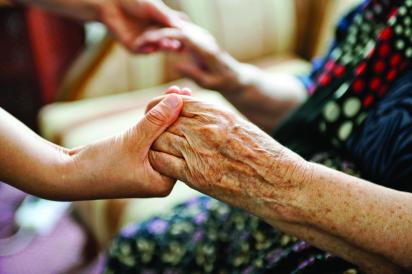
x=209 y=148
x=220 y=154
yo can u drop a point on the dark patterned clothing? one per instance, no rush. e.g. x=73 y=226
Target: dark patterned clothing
x=357 y=120
x=206 y=236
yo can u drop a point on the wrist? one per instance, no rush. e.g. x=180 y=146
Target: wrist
x=290 y=175
x=54 y=174
x=78 y=175
x=239 y=77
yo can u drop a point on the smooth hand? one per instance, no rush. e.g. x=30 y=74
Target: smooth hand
x=128 y=19
x=119 y=166
x=220 y=154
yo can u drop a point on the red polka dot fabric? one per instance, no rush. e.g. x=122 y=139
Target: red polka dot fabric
x=374 y=50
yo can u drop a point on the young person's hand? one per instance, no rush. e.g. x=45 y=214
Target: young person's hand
x=119 y=166
x=115 y=167
x=126 y=19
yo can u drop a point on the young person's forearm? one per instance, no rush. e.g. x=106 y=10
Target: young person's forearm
x=265 y=98
x=27 y=161
x=375 y=218
x=41 y=168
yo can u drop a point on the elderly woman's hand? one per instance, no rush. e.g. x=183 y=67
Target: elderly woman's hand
x=220 y=154
x=208 y=65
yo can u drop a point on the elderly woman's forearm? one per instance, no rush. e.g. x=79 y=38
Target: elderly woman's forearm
x=265 y=98
x=367 y=261
x=375 y=218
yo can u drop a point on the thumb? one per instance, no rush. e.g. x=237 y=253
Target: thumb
x=158 y=119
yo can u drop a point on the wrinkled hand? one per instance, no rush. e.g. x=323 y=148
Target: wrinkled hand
x=220 y=154
x=208 y=65
x=128 y=19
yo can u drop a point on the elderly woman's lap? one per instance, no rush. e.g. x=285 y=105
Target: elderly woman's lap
x=204 y=235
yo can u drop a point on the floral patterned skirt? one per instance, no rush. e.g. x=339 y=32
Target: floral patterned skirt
x=204 y=235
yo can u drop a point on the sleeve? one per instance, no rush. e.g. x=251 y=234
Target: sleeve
x=382 y=147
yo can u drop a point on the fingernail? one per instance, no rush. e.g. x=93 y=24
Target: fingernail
x=172 y=101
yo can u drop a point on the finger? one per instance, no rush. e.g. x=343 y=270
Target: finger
x=177 y=90
x=170 y=144
x=117 y=24
x=168 y=165
x=172 y=90
x=167 y=44
x=153 y=103
x=157 y=120
x=186 y=91
x=191 y=105
x=156 y=36
x=203 y=58
x=159 y=185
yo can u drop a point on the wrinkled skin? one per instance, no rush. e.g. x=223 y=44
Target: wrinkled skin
x=220 y=154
